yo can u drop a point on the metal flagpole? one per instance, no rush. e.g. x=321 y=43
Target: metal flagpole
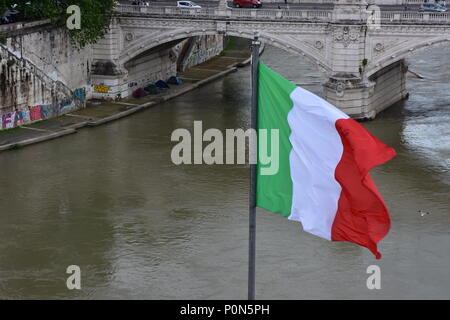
x=252 y=197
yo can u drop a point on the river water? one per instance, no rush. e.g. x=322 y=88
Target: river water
x=109 y=200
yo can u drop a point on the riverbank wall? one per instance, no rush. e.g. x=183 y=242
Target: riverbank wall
x=43 y=75
x=101 y=112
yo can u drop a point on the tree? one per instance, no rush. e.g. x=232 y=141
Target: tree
x=95 y=15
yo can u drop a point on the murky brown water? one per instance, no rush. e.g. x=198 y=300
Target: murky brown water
x=109 y=200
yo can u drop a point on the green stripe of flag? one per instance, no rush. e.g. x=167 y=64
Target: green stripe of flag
x=274 y=192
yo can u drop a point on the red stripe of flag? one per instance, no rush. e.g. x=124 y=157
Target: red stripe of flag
x=362 y=216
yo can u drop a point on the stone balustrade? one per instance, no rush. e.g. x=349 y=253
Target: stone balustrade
x=415 y=17
x=234 y=13
x=277 y=14
x=13 y=29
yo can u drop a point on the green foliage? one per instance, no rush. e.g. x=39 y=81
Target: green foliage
x=95 y=15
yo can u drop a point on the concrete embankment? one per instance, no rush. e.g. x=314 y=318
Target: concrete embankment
x=100 y=112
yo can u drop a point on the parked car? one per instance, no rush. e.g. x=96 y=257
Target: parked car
x=188 y=4
x=431 y=7
x=247 y=4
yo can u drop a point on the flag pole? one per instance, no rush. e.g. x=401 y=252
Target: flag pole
x=252 y=195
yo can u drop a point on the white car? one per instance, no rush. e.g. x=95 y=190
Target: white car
x=187 y=4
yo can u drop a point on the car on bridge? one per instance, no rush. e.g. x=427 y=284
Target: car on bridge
x=247 y=4
x=188 y=4
x=432 y=7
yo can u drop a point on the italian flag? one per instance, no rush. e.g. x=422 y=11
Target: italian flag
x=325 y=157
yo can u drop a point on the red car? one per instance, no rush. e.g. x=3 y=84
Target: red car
x=247 y=4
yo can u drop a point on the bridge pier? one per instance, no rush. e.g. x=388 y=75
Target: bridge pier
x=108 y=77
x=108 y=80
x=364 y=98
x=349 y=87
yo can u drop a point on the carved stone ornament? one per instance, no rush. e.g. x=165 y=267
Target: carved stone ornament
x=340 y=88
x=379 y=47
x=318 y=44
x=346 y=35
x=129 y=36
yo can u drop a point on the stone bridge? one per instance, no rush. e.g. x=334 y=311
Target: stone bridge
x=359 y=48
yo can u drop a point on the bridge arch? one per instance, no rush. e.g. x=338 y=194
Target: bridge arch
x=395 y=55
x=150 y=41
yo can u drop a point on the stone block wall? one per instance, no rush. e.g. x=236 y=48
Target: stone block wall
x=365 y=99
x=33 y=69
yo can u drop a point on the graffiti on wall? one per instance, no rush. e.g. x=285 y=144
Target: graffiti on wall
x=8 y=120
x=101 y=89
x=201 y=56
x=21 y=117
x=14 y=119
x=80 y=93
x=39 y=112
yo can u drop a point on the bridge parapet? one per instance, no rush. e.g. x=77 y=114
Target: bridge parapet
x=415 y=17
x=20 y=28
x=220 y=14
x=391 y=17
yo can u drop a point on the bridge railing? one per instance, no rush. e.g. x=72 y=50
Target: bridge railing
x=280 y=14
x=316 y=15
x=18 y=27
x=416 y=17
